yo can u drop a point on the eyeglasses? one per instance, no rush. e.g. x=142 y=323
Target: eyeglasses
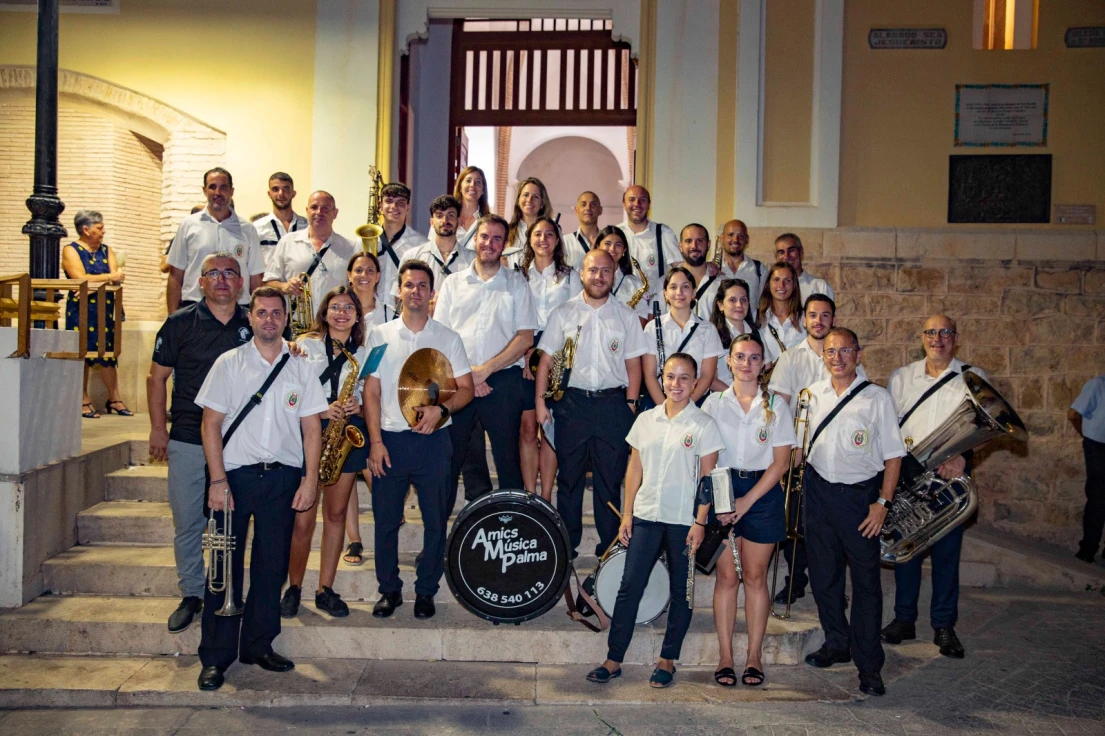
x=227 y=274
x=945 y=332
x=739 y=358
x=842 y=352
x=339 y=308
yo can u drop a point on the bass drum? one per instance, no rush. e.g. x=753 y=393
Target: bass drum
x=608 y=578
x=507 y=557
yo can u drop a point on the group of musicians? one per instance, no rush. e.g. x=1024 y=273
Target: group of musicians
x=677 y=366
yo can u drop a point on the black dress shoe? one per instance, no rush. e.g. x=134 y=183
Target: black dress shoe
x=825 y=657
x=387 y=604
x=289 y=604
x=181 y=618
x=898 y=631
x=270 y=661
x=949 y=643
x=1085 y=556
x=781 y=596
x=211 y=677
x=424 y=606
x=330 y=602
x=870 y=683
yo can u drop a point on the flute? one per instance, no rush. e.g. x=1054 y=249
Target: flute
x=690 y=550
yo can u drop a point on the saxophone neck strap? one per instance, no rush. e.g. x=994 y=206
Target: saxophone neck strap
x=660 y=248
x=255 y=400
x=931 y=390
x=687 y=339
x=317 y=260
x=334 y=365
x=832 y=415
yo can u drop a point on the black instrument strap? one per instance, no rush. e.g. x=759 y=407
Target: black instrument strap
x=615 y=291
x=705 y=285
x=387 y=244
x=931 y=390
x=659 y=249
x=276 y=228
x=318 y=259
x=255 y=400
x=445 y=266
x=832 y=415
x=334 y=365
x=686 y=339
x=583 y=242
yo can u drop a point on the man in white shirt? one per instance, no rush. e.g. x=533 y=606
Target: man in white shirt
x=441 y=252
x=853 y=459
x=212 y=230
x=255 y=454
x=492 y=309
x=398 y=237
x=282 y=220
x=926 y=393
x=653 y=244
x=694 y=244
x=401 y=455
x=736 y=265
x=588 y=209
x=600 y=397
x=318 y=251
x=788 y=248
x=1087 y=416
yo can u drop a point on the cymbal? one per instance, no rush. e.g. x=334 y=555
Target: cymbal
x=426 y=379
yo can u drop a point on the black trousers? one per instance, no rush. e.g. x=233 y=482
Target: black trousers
x=1093 y=519
x=834 y=512
x=500 y=413
x=266 y=497
x=590 y=436
x=474 y=470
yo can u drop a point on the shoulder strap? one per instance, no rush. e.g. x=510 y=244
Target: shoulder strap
x=686 y=339
x=317 y=260
x=758 y=267
x=931 y=390
x=660 y=249
x=705 y=285
x=387 y=244
x=832 y=415
x=276 y=228
x=583 y=242
x=255 y=400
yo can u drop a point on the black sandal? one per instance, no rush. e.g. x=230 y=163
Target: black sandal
x=113 y=406
x=91 y=413
x=355 y=549
x=756 y=676
x=726 y=673
x=601 y=675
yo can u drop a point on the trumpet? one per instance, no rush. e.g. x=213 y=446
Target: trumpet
x=792 y=497
x=370 y=232
x=303 y=308
x=221 y=546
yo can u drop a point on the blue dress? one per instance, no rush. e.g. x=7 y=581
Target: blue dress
x=94 y=264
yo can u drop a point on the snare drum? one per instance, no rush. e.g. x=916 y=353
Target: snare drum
x=608 y=579
x=507 y=557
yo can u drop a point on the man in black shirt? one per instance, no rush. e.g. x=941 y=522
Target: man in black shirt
x=186 y=348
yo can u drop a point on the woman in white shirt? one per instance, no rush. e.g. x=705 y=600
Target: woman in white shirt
x=552 y=282
x=780 y=312
x=337 y=325
x=531 y=203
x=673 y=446
x=471 y=192
x=759 y=434
x=626 y=283
x=363 y=272
x=730 y=317
x=683 y=332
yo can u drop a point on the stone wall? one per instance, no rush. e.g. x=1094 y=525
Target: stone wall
x=1030 y=307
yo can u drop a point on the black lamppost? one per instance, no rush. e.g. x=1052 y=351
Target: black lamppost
x=44 y=228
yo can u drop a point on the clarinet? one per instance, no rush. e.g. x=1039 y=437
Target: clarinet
x=660 y=357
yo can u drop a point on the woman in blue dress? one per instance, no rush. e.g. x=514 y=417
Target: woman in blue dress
x=89 y=259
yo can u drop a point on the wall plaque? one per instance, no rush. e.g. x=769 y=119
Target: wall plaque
x=907 y=38
x=1001 y=114
x=65 y=6
x=1074 y=214
x=999 y=188
x=1087 y=37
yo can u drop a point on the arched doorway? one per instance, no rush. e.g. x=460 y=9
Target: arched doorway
x=567 y=165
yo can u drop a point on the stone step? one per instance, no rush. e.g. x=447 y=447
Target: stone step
x=149 y=523
x=136 y=626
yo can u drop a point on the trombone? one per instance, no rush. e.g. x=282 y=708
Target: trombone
x=792 y=499
x=221 y=546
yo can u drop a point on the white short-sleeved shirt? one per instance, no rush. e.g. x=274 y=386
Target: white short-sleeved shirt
x=316 y=353
x=378 y=316
x=626 y=285
x=643 y=247
x=1091 y=405
x=704 y=343
x=200 y=235
x=669 y=449
x=459 y=258
x=551 y=289
x=861 y=437
x=271 y=229
x=800 y=367
x=723 y=373
x=576 y=246
x=809 y=284
x=610 y=335
x=401 y=342
x=788 y=333
x=404 y=241
x=704 y=294
x=753 y=273
x=271 y=433
x=486 y=314
x=749 y=438
x=295 y=252
x=909 y=383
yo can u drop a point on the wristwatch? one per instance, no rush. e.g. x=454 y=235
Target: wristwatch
x=885 y=503
x=444 y=411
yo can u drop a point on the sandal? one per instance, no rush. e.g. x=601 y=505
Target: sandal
x=728 y=674
x=752 y=677
x=113 y=406
x=354 y=551
x=91 y=413
x=662 y=678
x=601 y=675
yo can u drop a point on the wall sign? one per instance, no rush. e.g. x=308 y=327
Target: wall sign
x=1074 y=214
x=999 y=188
x=907 y=38
x=1001 y=114
x=1087 y=37
x=64 y=6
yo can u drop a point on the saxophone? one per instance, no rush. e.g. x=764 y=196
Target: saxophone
x=561 y=369
x=340 y=438
x=640 y=293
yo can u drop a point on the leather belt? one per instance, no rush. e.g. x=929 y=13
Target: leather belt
x=753 y=474
x=602 y=393
x=264 y=467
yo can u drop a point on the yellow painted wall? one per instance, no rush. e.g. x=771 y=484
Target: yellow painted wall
x=788 y=99
x=898 y=109
x=245 y=67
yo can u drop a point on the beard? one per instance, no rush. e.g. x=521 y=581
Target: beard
x=696 y=262
x=596 y=291
x=445 y=231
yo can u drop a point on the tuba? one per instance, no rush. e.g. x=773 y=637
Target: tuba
x=221 y=546
x=561 y=370
x=792 y=496
x=640 y=293
x=370 y=232
x=340 y=438
x=303 y=308
x=926 y=507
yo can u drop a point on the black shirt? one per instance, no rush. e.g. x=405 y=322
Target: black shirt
x=189 y=342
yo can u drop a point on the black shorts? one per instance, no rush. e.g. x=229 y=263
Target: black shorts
x=358 y=456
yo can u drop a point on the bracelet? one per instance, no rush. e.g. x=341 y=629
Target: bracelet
x=217 y=482
x=696 y=521
x=376 y=442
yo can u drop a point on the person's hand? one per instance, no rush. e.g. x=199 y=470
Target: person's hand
x=294 y=286
x=712 y=268
x=296 y=350
x=118 y=277
x=481 y=389
x=217 y=496
x=727 y=519
x=335 y=412
x=305 y=495
x=542 y=411
x=159 y=444
x=479 y=375
x=952 y=468
x=741 y=506
x=625 y=529
x=351 y=406
x=428 y=417
x=695 y=537
x=378 y=458
x=872 y=525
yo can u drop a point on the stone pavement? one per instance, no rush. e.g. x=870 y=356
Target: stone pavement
x=1035 y=665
